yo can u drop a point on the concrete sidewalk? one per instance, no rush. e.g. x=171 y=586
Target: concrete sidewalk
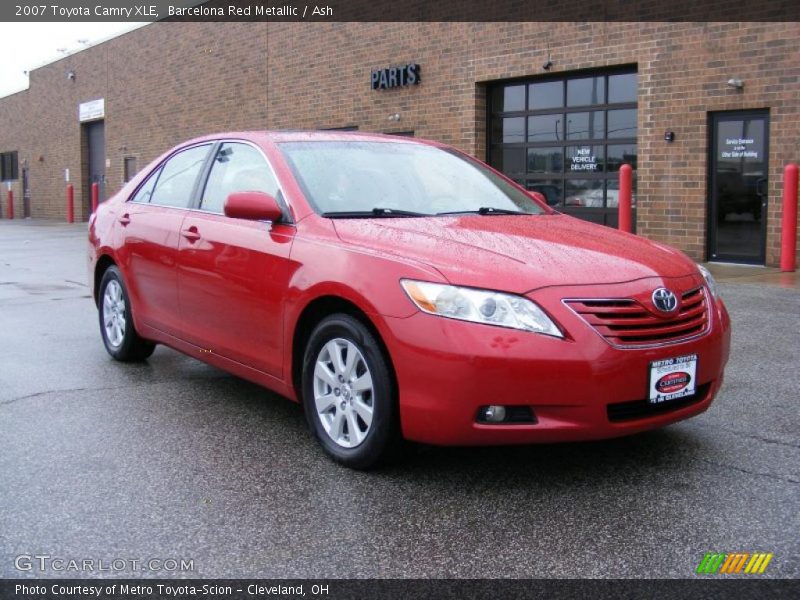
x=732 y=273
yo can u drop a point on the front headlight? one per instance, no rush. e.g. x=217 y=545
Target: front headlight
x=710 y=281
x=480 y=306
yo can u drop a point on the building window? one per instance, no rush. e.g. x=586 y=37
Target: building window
x=567 y=137
x=8 y=166
x=129 y=168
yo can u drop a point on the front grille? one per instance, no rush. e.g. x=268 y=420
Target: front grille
x=641 y=409
x=625 y=322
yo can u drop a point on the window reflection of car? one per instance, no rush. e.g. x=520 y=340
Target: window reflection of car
x=738 y=194
x=594 y=199
x=587 y=199
x=612 y=198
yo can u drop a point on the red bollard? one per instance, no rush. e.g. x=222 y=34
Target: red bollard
x=95 y=196
x=789 y=219
x=625 y=198
x=70 y=203
x=10 y=204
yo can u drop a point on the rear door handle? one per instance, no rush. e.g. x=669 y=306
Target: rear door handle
x=191 y=234
x=125 y=219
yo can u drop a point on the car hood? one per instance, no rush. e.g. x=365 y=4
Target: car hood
x=517 y=253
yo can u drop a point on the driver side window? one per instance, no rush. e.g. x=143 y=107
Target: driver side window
x=237 y=168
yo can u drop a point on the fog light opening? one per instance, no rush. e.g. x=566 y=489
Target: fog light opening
x=496 y=414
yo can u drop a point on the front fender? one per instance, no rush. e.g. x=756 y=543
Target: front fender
x=324 y=267
x=101 y=242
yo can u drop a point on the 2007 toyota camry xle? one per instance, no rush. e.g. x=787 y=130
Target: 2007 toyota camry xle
x=401 y=289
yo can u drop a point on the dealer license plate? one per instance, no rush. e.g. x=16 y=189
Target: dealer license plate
x=672 y=378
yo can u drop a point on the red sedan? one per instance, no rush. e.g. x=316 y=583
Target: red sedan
x=401 y=289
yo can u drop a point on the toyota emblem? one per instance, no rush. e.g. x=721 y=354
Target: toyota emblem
x=664 y=300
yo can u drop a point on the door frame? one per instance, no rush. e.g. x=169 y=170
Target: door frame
x=711 y=203
x=26 y=192
x=87 y=170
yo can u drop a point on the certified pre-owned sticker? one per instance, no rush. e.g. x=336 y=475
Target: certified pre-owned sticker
x=672 y=378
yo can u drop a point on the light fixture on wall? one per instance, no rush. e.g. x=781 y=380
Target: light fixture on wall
x=548 y=64
x=395 y=117
x=735 y=83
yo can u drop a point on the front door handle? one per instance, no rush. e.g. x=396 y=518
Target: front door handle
x=191 y=234
x=125 y=219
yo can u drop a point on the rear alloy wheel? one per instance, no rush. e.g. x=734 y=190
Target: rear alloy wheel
x=116 y=323
x=348 y=393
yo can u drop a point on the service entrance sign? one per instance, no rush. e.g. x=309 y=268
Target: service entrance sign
x=91 y=111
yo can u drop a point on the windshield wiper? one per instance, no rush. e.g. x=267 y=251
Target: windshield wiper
x=486 y=210
x=375 y=212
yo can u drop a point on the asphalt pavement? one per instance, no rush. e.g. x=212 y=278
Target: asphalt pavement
x=172 y=459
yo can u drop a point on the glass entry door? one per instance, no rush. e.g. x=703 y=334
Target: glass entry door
x=738 y=186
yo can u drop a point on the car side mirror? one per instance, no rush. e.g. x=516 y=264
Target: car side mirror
x=538 y=196
x=253 y=206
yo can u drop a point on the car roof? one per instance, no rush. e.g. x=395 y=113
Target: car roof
x=310 y=135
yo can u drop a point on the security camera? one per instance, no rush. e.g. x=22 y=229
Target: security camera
x=71 y=75
x=546 y=66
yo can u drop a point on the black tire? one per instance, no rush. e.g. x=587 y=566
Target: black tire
x=383 y=434
x=130 y=347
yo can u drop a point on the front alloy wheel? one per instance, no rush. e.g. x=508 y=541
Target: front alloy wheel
x=343 y=393
x=349 y=394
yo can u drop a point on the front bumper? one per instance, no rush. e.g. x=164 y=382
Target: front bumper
x=447 y=369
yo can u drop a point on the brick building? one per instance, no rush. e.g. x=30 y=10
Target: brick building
x=557 y=106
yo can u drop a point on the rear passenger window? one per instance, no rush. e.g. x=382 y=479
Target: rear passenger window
x=178 y=176
x=237 y=168
x=143 y=194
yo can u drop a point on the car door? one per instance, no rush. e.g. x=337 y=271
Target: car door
x=233 y=273
x=149 y=227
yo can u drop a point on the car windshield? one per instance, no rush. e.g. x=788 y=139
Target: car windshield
x=382 y=179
